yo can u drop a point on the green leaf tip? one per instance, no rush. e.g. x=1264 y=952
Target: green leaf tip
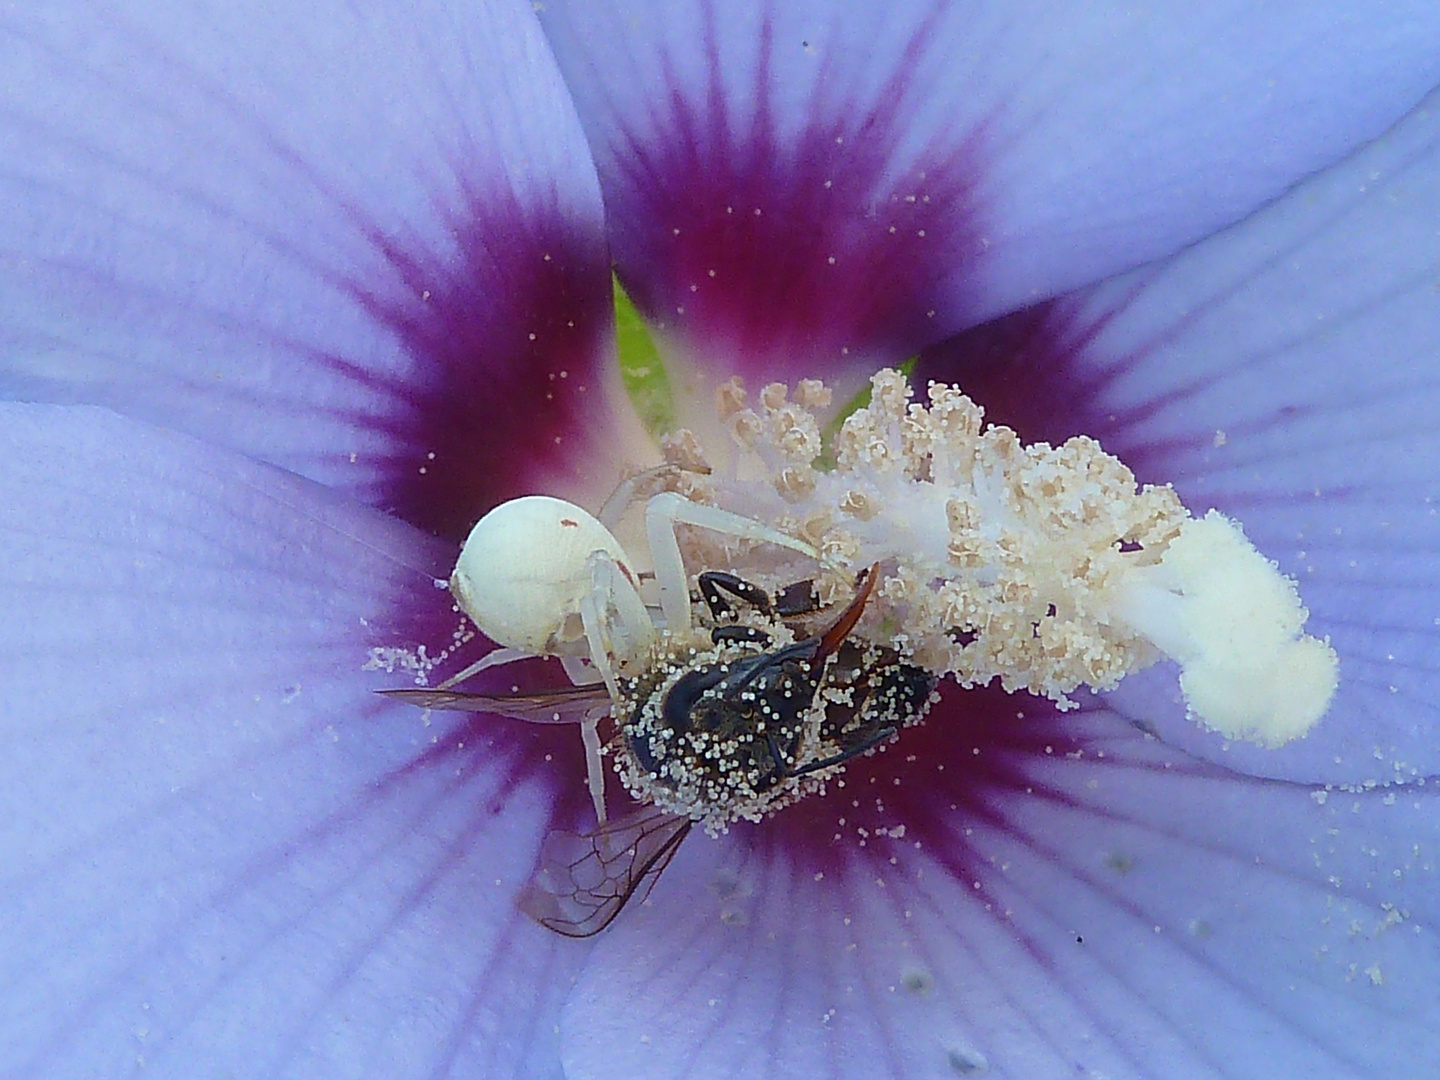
x=643 y=372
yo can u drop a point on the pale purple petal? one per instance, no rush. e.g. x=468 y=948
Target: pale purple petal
x=822 y=185
x=365 y=243
x=1077 y=899
x=1286 y=372
x=222 y=853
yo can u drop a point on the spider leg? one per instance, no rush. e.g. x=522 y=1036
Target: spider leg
x=579 y=672
x=629 y=633
x=594 y=766
x=662 y=513
x=611 y=589
x=494 y=658
x=630 y=491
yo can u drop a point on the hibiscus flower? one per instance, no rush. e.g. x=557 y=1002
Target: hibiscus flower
x=293 y=294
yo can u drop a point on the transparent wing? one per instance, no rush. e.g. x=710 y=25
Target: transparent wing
x=585 y=879
x=563 y=705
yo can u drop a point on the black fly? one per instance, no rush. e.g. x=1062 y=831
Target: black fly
x=710 y=741
x=730 y=737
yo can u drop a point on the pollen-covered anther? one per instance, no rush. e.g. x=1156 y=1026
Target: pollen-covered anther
x=746 y=428
x=859 y=505
x=839 y=548
x=682 y=449
x=966 y=548
x=730 y=397
x=782 y=432
x=774 y=395
x=889 y=394
x=813 y=394
x=862 y=444
x=698 y=487
x=797 y=433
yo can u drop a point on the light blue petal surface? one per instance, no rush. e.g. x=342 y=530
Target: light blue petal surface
x=1123 y=912
x=1288 y=372
x=223 y=855
x=308 y=232
x=825 y=184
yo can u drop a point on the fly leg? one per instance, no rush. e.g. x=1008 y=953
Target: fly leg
x=874 y=739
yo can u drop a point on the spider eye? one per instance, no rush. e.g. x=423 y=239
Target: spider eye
x=524 y=571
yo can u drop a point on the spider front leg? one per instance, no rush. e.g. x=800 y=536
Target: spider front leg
x=626 y=636
x=494 y=658
x=662 y=513
x=629 y=633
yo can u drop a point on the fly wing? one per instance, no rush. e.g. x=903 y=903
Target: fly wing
x=583 y=880
x=563 y=705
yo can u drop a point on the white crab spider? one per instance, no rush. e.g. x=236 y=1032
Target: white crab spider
x=540 y=576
